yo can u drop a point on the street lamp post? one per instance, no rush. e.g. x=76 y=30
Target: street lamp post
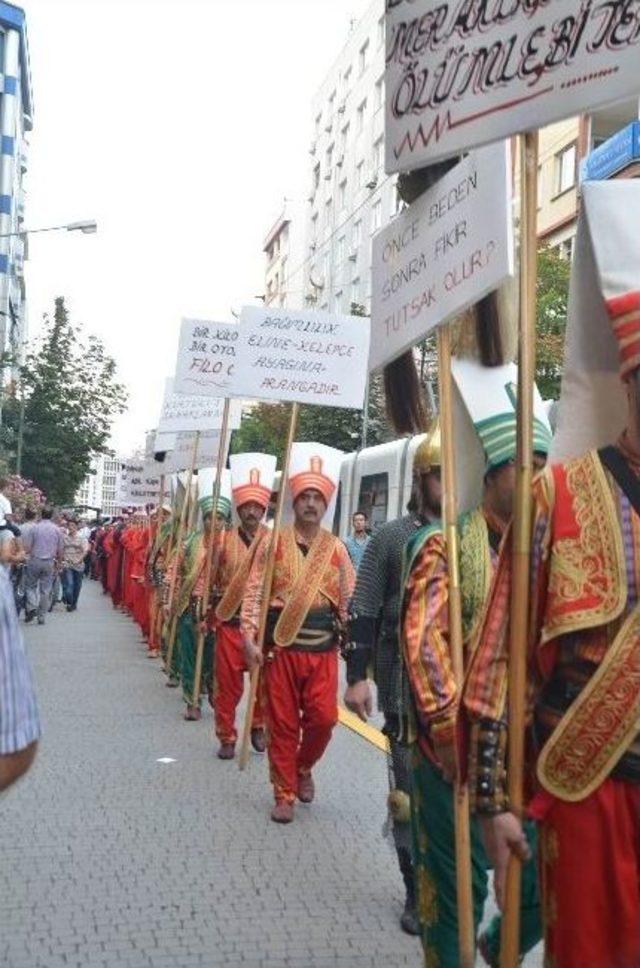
x=87 y=227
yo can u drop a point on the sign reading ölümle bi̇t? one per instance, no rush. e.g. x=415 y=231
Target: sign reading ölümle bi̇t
x=181 y=412
x=206 y=358
x=302 y=356
x=463 y=73
x=445 y=252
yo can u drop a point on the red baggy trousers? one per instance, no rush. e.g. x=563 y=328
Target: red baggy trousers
x=230 y=667
x=301 y=693
x=590 y=874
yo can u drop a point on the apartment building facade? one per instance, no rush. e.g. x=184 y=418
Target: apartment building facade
x=284 y=252
x=16 y=110
x=99 y=488
x=351 y=196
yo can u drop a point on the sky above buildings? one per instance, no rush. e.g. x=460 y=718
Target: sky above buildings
x=180 y=127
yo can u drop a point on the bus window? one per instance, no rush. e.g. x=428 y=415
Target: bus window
x=336 y=515
x=374 y=498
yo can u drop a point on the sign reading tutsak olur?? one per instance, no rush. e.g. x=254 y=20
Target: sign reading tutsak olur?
x=302 y=356
x=463 y=73
x=445 y=252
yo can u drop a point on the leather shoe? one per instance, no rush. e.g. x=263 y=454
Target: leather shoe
x=409 y=920
x=258 y=740
x=192 y=714
x=227 y=751
x=306 y=788
x=282 y=812
x=29 y=617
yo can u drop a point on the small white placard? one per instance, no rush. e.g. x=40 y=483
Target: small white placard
x=138 y=483
x=443 y=253
x=181 y=456
x=463 y=74
x=180 y=412
x=302 y=356
x=206 y=358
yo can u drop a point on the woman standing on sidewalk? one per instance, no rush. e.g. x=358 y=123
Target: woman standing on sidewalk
x=75 y=547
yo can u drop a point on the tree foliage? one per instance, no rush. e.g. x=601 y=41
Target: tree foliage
x=552 y=299
x=71 y=396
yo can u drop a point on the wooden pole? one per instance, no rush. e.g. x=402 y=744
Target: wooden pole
x=213 y=543
x=466 y=930
x=243 y=759
x=173 y=620
x=519 y=624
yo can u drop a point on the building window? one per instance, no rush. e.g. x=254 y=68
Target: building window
x=340 y=250
x=328 y=211
x=344 y=134
x=363 y=57
x=362 y=109
x=318 y=122
x=374 y=498
x=329 y=158
x=376 y=216
x=314 y=227
x=342 y=195
x=355 y=291
x=379 y=93
x=359 y=174
x=316 y=177
x=565 y=169
x=346 y=77
x=332 y=102
x=357 y=234
x=378 y=155
x=565 y=249
x=380 y=32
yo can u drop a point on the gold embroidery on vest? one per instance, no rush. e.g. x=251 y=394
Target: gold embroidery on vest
x=600 y=725
x=309 y=581
x=591 y=564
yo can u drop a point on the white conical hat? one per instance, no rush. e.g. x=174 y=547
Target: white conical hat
x=314 y=466
x=603 y=326
x=206 y=484
x=252 y=477
x=485 y=400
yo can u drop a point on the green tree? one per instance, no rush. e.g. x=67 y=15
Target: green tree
x=265 y=427
x=552 y=297
x=71 y=396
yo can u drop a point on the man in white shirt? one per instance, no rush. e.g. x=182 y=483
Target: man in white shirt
x=5 y=503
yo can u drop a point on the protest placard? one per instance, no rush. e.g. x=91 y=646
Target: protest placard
x=450 y=248
x=463 y=75
x=181 y=456
x=303 y=356
x=138 y=483
x=206 y=358
x=181 y=412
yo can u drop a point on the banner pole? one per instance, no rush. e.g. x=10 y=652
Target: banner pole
x=213 y=543
x=243 y=758
x=519 y=608
x=173 y=619
x=466 y=930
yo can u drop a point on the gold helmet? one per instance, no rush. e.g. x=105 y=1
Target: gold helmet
x=429 y=452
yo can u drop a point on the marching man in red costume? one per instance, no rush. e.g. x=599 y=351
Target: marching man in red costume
x=252 y=477
x=584 y=644
x=312 y=583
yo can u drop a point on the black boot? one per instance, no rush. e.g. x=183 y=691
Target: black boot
x=409 y=920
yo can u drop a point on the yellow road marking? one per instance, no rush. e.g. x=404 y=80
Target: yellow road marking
x=366 y=730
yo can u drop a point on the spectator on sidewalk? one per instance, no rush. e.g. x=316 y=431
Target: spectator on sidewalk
x=75 y=548
x=358 y=541
x=44 y=549
x=19 y=723
x=5 y=503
